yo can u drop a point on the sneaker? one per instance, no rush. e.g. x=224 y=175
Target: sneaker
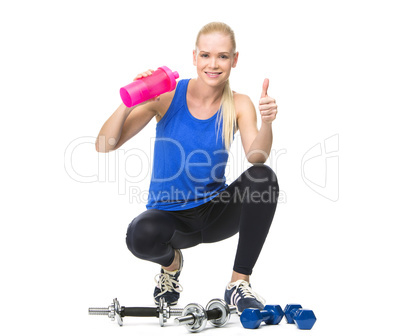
x=241 y=295
x=168 y=285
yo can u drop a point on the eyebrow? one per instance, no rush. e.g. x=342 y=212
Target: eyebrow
x=207 y=52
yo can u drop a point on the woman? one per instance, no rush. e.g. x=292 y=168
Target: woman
x=189 y=202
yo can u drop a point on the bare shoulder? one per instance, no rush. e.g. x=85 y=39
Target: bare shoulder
x=243 y=104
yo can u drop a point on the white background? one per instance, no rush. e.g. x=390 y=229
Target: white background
x=335 y=71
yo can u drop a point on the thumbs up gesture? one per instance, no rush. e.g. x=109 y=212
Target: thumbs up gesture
x=268 y=107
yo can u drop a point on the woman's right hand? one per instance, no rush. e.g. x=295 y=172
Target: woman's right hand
x=147 y=73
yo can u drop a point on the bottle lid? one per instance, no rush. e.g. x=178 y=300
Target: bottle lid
x=172 y=76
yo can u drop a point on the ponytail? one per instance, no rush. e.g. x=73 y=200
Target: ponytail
x=227 y=116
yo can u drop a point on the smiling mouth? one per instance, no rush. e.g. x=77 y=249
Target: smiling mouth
x=213 y=74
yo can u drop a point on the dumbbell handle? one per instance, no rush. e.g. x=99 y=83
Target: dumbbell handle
x=148 y=311
x=267 y=314
x=128 y=311
x=139 y=311
x=212 y=314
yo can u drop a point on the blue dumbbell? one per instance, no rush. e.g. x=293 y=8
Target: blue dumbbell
x=252 y=318
x=303 y=318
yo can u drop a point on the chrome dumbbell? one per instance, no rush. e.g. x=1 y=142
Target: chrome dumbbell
x=115 y=311
x=194 y=316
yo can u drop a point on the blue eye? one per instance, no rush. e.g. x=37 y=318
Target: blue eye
x=220 y=56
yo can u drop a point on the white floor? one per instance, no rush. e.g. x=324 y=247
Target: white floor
x=97 y=325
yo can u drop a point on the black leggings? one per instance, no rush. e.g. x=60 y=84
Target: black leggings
x=246 y=206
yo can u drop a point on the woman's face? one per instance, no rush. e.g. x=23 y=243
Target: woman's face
x=214 y=58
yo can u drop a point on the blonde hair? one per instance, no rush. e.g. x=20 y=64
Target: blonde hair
x=227 y=111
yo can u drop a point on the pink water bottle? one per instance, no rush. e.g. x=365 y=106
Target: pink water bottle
x=161 y=81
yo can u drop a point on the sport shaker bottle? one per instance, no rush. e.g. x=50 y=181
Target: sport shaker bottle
x=161 y=81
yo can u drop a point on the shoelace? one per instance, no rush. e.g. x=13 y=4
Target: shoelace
x=166 y=284
x=247 y=291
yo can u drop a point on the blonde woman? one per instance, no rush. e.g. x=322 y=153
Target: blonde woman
x=189 y=201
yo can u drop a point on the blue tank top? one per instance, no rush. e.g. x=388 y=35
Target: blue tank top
x=189 y=157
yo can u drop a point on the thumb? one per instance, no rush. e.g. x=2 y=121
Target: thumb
x=265 y=85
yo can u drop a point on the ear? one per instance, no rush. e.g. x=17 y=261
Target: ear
x=235 y=60
x=195 y=57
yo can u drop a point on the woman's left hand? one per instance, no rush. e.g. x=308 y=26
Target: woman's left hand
x=268 y=107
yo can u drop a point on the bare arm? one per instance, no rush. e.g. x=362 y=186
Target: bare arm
x=122 y=125
x=257 y=144
x=126 y=122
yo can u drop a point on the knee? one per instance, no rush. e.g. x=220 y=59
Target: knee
x=142 y=235
x=263 y=175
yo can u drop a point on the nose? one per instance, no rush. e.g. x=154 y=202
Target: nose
x=213 y=63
